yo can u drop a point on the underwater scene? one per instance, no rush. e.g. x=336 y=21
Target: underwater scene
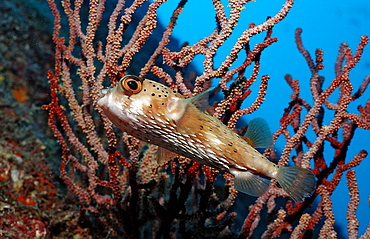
x=184 y=119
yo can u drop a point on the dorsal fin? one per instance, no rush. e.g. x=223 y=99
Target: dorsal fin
x=258 y=134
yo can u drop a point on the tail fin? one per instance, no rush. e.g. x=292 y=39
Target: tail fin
x=297 y=182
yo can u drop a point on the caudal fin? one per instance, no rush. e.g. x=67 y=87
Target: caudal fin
x=297 y=182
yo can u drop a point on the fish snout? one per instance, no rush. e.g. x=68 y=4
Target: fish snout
x=103 y=97
x=104 y=92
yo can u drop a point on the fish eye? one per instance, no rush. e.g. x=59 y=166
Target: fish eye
x=132 y=84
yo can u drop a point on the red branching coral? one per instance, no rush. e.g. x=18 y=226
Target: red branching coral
x=119 y=185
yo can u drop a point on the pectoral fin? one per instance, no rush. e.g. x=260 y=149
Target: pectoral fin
x=185 y=112
x=201 y=100
x=177 y=106
x=249 y=183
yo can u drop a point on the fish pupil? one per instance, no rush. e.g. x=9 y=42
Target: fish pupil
x=133 y=85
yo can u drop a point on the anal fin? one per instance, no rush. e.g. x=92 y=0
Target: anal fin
x=249 y=183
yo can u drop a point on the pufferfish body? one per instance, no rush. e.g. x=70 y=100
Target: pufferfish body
x=156 y=114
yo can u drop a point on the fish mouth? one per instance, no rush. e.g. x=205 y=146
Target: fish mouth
x=104 y=92
x=103 y=98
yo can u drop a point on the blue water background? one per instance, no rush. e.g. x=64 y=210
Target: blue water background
x=325 y=25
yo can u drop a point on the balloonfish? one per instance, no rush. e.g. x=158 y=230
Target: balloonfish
x=158 y=115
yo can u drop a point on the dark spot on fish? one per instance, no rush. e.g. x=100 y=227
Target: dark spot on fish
x=230 y=144
x=235 y=150
x=157 y=88
x=144 y=89
x=201 y=127
x=151 y=117
x=165 y=95
x=174 y=92
x=162 y=103
x=153 y=94
x=153 y=85
x=150 y=106
x=159 y=95
x=210 y=129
